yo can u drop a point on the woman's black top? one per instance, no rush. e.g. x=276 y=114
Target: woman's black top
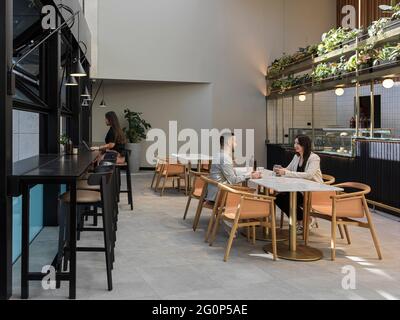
x=110 y=138
x=302 y=168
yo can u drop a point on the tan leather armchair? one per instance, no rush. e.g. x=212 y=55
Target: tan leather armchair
x=345 y=209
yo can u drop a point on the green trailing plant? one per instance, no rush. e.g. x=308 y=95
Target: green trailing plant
x=137 y=127
x=388 y=53
x=377 y=28
x=334 y=38
x=280 y=64
x=290 y=82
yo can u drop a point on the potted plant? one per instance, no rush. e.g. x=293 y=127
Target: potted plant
x=135 y=134
x=65 y=144
x=386 y=55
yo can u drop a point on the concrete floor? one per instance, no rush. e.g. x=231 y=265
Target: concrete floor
x=158 y=256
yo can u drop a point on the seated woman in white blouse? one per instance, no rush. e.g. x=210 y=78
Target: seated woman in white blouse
x=305 y=165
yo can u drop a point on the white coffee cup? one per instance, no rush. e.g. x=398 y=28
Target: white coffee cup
x=75 y=151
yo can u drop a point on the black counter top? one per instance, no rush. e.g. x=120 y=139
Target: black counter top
x=50 y=167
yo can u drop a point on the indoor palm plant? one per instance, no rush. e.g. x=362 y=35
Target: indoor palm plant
x=135 y=133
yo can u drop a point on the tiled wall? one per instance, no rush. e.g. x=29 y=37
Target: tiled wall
x=330 y=110
x=25 y=135
x=26 y=145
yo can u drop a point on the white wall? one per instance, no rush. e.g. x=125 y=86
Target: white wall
x=224 y=44
x=188 y=104
x=306 y=20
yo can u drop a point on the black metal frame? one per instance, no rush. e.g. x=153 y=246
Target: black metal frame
x=6 y=45
x=48 y=105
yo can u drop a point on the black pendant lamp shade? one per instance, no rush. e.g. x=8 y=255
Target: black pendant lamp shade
x=86 y=93
x=77 y=70
x=71 y=82
x=103 y=104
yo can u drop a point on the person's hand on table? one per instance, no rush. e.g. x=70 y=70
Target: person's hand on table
x=256 y=175
x=281 y=172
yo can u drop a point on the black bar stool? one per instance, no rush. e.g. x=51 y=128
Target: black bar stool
x=125 y=167
x=105 y=200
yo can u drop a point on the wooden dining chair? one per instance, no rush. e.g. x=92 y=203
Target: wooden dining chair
x=205 y=166
x=174 y=171
x=196 y=190
x=345 y=209
x=212 y=206
x=244 y=210
x=157 y=170
x=328 y=180
x=314 y=196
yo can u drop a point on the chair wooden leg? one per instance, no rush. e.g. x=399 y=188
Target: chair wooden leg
x=187 y=207
x=346 y=230
x=215 y=229
x=248 y=234
x=254 y=234
x=163 y=187
x=158 y=182
x=273 y=230
x=230 y=241
x=154 y=179
x=198 y=215
x=340 y=227
x=210 y=227
x=333 y=238
x=372 y=229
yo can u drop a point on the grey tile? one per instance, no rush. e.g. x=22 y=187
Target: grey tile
x=15 y=147
x=28 y=145
x=29 y=122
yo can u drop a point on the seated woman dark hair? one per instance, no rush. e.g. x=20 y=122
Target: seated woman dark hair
x=115 y=139
x=305 y=165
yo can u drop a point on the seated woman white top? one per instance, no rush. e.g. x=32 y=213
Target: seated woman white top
x=312 y=170
x=305 y=165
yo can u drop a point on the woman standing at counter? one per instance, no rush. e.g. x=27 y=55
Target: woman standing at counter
x=305 y=165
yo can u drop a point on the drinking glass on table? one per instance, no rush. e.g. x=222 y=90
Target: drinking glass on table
x=276 y=169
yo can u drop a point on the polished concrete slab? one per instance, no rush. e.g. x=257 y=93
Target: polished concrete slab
x=158 y=256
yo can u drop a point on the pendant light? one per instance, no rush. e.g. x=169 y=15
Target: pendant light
x=86 y=93
x=339 y=92
x=388 y=83
x=103 y=103
x=71 y=82
x=302 y=97
x=77 y=69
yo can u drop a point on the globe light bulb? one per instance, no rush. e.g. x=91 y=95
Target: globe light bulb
x=339 y=92
x=388 y=83
x=302 y=97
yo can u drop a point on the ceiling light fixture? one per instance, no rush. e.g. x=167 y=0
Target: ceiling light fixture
x=339 y=92
x=388 y=83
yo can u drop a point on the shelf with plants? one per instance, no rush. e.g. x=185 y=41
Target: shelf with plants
x=347 y=57
x=288 y=65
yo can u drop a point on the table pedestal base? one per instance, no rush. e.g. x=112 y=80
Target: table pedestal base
x=281 y=235
x=303 y=253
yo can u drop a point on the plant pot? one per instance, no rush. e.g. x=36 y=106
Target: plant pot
x=383 y=64
x=135 y=156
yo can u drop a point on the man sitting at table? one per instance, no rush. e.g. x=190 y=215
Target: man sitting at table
x=222 y=169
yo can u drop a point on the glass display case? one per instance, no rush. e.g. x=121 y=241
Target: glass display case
x=338 y=141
